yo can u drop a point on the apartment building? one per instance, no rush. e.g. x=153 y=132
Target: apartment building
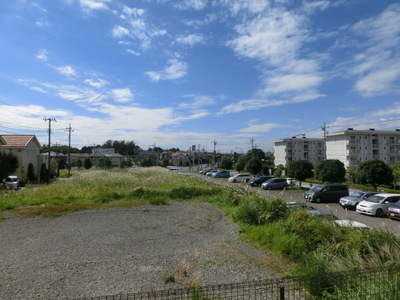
x=295 y=148
x=355 y=146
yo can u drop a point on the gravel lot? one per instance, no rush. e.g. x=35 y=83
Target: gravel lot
x=122 y=250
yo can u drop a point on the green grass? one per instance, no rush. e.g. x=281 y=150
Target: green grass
x=308 y=244
x=103 y=188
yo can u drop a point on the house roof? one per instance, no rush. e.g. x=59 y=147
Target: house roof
x=180 y=154
x=2 y=141
x=18 y=140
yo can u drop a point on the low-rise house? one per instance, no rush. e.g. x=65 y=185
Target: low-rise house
x=25 y=147
x=180 y=159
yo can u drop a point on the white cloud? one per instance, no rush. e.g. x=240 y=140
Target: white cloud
x=377 y=68
x=120 y=32
x=263 y=128
x=191 y=39
x=94 y=4
x=137 y=12
x=42 y=55
x=122 y=95
x=191 y=4
x=97 y=83
x=66 y=70
x=175 y=69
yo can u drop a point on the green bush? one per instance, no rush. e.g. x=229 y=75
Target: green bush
x=258 y=210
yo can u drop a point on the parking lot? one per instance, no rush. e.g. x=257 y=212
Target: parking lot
x=383 y=223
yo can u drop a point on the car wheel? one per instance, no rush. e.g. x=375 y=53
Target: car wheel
x=379 y=212
x=318 y=200
x=268 y=188
x=234 y=180
x=247 y=180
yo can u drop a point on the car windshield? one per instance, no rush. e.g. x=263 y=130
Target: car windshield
x=10 y=179
x=316 y=188
x=375 y=199
x=357 y=194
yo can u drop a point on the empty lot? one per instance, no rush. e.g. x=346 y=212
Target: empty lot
x=123 y=250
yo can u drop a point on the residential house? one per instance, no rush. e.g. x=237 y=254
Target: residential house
x=181 y=159
x=25 y=147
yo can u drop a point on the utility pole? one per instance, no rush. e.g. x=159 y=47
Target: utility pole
x=48 y=156
x=325 y=131
x=252 y=143
x=214 y=143
x=69 y=149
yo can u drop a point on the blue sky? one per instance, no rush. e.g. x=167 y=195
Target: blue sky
x=190 y=72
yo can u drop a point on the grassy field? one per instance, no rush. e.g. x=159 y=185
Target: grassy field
x=312 y=245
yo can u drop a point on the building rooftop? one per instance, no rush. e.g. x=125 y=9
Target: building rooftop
x=18 y=140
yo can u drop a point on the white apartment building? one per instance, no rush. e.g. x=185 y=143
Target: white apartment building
x=355 y=146
x=294 y=148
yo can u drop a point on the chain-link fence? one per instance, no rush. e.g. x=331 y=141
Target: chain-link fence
x=381 y=284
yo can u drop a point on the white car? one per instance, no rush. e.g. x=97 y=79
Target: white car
x=351 y=223
x=290 y=181
x=378 y=204
x=240 y=178
x=11 y=182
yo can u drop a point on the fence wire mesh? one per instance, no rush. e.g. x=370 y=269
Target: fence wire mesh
x=382 y=284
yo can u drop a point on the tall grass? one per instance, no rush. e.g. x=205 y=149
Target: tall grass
x=156 y=185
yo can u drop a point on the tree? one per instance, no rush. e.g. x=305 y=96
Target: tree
x=146 y=162
x=240 y=164
x=396 y=173
x=255 y=153
x=87 y=163
x=300 y=170
x=22 y=174
x=165 y=162
x=31 y=173
x=374 y=172
x=279 y=171
x=226 y=163
x=79 y=163
x=254 y=165
x=330 y=170
x=8 y=164
x=44 y=174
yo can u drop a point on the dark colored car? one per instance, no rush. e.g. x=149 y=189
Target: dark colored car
x=394 y=211
x=351 y=201
x=259 y=180
x=326 y=193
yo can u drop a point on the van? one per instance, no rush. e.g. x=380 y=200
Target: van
x=326 y=193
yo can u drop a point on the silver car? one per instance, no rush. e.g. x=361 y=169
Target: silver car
x=351 y=201
x=377 y=205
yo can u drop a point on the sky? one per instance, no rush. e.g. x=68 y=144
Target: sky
x=229 y=74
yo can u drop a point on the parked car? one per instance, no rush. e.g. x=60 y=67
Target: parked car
x=274 y=183
x=378 y=204
x=11 y=182
x=326 y=193
x=290 y=181
x=240 y=178
x=259 y=180
x=206 y=170
x=221 y=174
x=351 y=201
x=394 y=211
x=351 y=223
x=210 y=173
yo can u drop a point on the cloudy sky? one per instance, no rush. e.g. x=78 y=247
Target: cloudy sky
x=190 y=72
